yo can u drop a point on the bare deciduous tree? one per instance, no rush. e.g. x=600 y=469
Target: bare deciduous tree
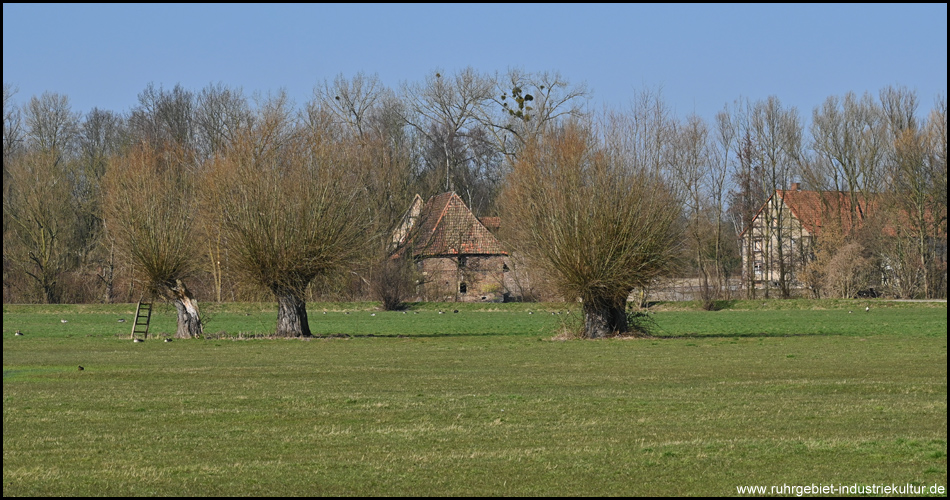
x=165 y=118
x=291 y=205
x=848 y=271
x=151 y=210
x=102 y=136
x=690 y=166
x=530 y=103
x=364 y=112
x=596 y=222
x=392 y=280
x=849 y=140
x=221 y=112
x=12 y=124
x=51 y=125
x=352 y=102
x=917 y=174
x=726 y=252
x=41 y=221
x=457 y=151
x=748 y=194
x=777 y=143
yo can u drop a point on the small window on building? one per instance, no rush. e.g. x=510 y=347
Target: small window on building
x=463 y=288
x=504 y=268
x=463 y=261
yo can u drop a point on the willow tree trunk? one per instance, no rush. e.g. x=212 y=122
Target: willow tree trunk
x=189 y=318
x=604 y=319
x=291 y=316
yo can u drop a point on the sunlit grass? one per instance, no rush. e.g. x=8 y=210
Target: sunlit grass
x=729 y=398
x=741 y=318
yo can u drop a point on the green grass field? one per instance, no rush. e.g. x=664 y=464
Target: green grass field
x=482 y=402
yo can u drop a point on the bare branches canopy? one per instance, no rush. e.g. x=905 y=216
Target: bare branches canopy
x=250 y=197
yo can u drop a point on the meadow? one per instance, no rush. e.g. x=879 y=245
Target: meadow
x=485 y=401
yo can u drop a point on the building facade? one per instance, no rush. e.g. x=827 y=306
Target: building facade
x=457 y=256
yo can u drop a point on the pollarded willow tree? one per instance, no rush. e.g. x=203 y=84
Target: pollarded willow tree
x=150 y=208
x=597 y=222
x=291 y=205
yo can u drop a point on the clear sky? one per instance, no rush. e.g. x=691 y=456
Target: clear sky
x=701 y=57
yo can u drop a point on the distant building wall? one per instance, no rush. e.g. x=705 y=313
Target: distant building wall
x=469 y=278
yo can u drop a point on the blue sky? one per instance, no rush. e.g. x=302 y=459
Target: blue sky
x=701 y=57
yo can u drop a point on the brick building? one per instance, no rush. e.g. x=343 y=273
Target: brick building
x=459 y=256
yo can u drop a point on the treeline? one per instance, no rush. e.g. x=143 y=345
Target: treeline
x=205 y=187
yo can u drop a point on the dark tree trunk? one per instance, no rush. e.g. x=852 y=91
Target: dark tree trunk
x=51 y=293
x=189 y=318
x=603 y=319
x=106 y=274
x=291 y=316
x=108 y=296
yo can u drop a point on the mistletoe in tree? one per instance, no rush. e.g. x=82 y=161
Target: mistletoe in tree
x=520 y=98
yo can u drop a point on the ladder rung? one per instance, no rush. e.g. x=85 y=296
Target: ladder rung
x=142 y=311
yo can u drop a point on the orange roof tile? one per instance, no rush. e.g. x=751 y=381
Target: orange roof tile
x=817 y=209
x=446 y=227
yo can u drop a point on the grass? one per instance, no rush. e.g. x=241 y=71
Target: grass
x=475 y=403
x=243 y=320
x=737 y=318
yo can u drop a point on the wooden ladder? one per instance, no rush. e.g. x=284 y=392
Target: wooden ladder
x=143 y=315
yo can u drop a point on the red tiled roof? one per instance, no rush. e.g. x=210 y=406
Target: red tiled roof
x=447 y=227
x=491 y=223
x=817 y=209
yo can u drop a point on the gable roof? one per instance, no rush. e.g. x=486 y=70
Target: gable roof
x=817 y=209
x=408 y=222
x=444 y=226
